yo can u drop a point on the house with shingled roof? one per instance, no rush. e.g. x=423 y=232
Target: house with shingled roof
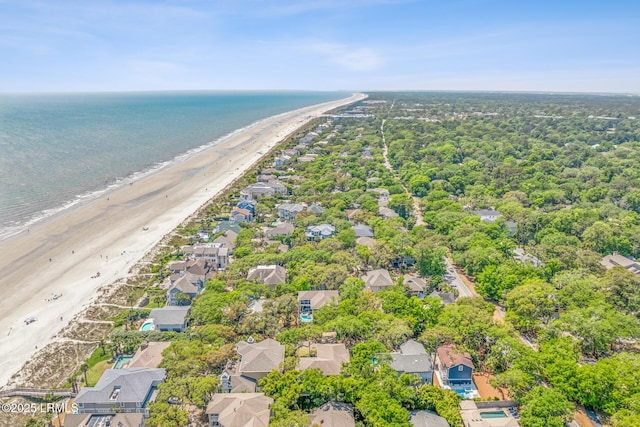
x=329 y=359
x=239 y=410
x=334 y=414
x=309 y=301
x=413 y=359
x=257 y=359
x=377 y=280
x=271 y=275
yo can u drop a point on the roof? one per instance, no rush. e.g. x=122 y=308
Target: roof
x=329 y=359
x=183 y=284
x=412 y=347
x=316 y=209
x=263 y=356
x=122 y=385
x=268 y=274
x=169 y=315
x=377 y=279
x=319 y=298
x=450 y=357
x=240 y=211
x=226 y=226
x=415 y=283
x=291 y=207
x=616 y=259
x=149 y=355
x=352 y=212
x=411 y=363
x=98 y=420
x=333 y=414
x=323 y=229
x=427 y=419
x=363 y=230
x=387 y=212
x=241 y=409
x=446 y=297
x=366 y=241
x=284 y=228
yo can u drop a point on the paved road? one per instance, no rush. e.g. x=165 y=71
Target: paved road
x=452 y=278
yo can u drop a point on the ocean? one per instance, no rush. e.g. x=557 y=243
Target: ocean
x=59 y=149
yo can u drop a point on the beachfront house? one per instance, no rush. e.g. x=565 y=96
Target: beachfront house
x=454 y=367
x=99 y=420
x=271 y=275
x=215 y=253
x=188 y=284
x=240 y=215
x=261 y=190
x=329 y=359
x=288 y=211
x=377 y=280
x=170 y=318
x=320 y=232
x=280 y=161
x=249 y=205
x=413 y=359
x=127 y=390
x=239 y=410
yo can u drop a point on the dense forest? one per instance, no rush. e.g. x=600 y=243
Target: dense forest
x=551 y=325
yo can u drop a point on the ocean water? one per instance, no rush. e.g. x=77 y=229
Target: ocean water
x=56 y=150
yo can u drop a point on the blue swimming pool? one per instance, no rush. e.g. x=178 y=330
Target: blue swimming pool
x=148 y=325
x=306 y=317
x=122 y=361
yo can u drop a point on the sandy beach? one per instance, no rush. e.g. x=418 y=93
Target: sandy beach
x=111 y=234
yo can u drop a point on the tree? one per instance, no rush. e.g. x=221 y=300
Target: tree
x=402 y=204
x=545 y=407
x=620 y=287
x=85 y=368
x=530 y=305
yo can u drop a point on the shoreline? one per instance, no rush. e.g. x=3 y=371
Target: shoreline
x=60 y=253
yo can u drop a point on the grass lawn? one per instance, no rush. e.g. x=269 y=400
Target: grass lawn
x=94 y=374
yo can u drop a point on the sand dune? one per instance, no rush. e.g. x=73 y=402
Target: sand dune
x=60 y=254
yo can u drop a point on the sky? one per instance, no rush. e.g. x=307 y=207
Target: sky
x=490 y=45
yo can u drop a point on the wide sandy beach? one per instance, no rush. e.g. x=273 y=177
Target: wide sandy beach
x=60 y=254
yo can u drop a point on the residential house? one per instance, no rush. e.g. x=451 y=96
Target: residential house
x=363 y=230
x=227 y=240
x=474 y=414
x=333 y=414
x=377 y=280
x=417 y=285
x=283 y=229
x=215 y=253
x=316 y=209
x=280 y=161
x=447 y=298
x=307 y=158
x=288 y=211
x=170 y=318
x=321 y=232
x=248 y=204
x=427 y=419
x=239 y=215
x=455 y=367
x=309 y=301
x=104 y=420
x=386 y=212
x=308 y=138
x=329 y=359
x=383 y=193
x=224 y=226
x=257 y=359
x=365 y=241
x=290 y=152
x=352 y=213
x=521 y=256
x=488 y=215
x=260 y=190
x=413 y=359
x=189 y=284
x=617 y=260
x=271 y=275
x=127 y=390
x=239 y=410
x=149 y=355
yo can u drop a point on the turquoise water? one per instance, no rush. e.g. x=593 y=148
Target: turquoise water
x=493 y=414
x=58 y=149
x=147 y=326
x=122 y=360
x=306 y=317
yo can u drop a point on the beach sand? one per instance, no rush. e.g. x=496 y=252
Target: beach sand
x=60 y=254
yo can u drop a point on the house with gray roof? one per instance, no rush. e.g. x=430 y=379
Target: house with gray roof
x=261 y=190
x=315 y=209
x=617 y=260
x=413 y=359
x=227 y=240
x=386 y=212
x=488 y=215
x=215 y=253
x=257 y=359
x=415 y=284
x=104 y=420
x=288 y=211
x=309 y=301
x=377 y=280
x=188 y=284
x=333 y=414
x=271 y=275
x=363 y=230
x=284 y=229
x=329 y=359
x=321 y=232
x=427 y=419
x=170 y=318
x=240 y=215
x=447 y=298
x=239 y=410
x=127 y=390
x=224 y=226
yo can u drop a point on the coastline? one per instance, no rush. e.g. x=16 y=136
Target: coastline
x=59 y=254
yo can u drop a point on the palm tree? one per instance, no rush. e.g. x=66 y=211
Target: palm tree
x=84 y=368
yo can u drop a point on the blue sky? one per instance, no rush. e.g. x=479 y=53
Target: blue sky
x=91 y=45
